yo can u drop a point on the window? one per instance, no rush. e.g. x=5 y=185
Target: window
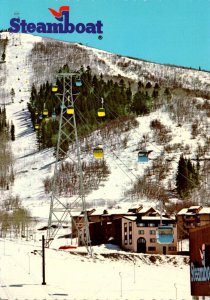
x=151 y=248
x=125 y=234
x=140 y=231
x=165 y=231
x=152 y=240
x=125 y=239
x=130 y=233
x=171 y=248
x=140 y=224
x=151 y=224
x=152 y=232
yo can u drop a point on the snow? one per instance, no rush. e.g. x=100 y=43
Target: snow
x=31 y=166
x=188 y=211
x=74 y=275
x=204 y=210
x=154 y=218
x=70 y=275
x=139 y=70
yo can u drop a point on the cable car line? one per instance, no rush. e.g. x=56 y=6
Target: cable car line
x=124 y=164
x=84 y=122
x=115 y=161
x=108 y=109
x=164 y=232
x=115 y=116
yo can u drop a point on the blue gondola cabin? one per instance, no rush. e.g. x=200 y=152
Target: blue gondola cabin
x=165 y=234
x=143 y=157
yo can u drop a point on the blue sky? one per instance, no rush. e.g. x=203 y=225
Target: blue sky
x=164 y=31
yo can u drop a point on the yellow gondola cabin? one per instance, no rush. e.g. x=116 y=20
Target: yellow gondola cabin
x=98 y=152
x=101 y=112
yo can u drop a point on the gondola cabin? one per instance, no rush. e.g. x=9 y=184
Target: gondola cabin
x=54 y=88
x=45 y=112
x=101 y=112
x=70 y=110
x=165 y=234
x=46 y=119
x=98 y=152
x=143 y=157
x=78 y=83
x=36 y=126
x=36 y=112
x=53 y=115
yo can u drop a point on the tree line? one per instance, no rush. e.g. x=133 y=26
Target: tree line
x=15 y=221
x=187 y=178
x=6 y=157
x=118 y=101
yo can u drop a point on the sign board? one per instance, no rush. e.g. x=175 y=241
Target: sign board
x=200 y=261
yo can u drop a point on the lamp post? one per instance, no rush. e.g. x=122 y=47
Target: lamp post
x=43 y=261
x=29 y=263
x=120 y=284
x=134 y=271
x=176 y=290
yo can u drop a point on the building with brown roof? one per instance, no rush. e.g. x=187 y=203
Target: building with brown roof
x=191 y=217
x=134 y=230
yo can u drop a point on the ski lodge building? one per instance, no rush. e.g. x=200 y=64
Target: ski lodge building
x=134 y=230
x=191 y=217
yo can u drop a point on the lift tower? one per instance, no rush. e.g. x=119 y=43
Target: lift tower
x=61 y=208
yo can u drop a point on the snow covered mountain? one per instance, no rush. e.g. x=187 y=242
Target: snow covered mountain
x=31 y=60
x=34 y=60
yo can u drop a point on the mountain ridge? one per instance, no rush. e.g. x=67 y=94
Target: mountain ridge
x=114 y=64
x=35 y=60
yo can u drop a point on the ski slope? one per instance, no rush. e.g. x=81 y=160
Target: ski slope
x=74 y=276
x=31 y=167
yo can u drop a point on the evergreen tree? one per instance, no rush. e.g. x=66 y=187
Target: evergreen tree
x=12 y=93
x=182 y=178
x=3 y=56
x=187 y=177
x=116 y=95
x=156 y=87
x=155 y=94
x=167 y=94
x=140 y=86
x=142 y=103
x=12 y=132
x=148 y=85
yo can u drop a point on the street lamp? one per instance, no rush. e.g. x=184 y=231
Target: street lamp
x=120 y=284
x=176 y=290
x=134 y=271
x=29 y=263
